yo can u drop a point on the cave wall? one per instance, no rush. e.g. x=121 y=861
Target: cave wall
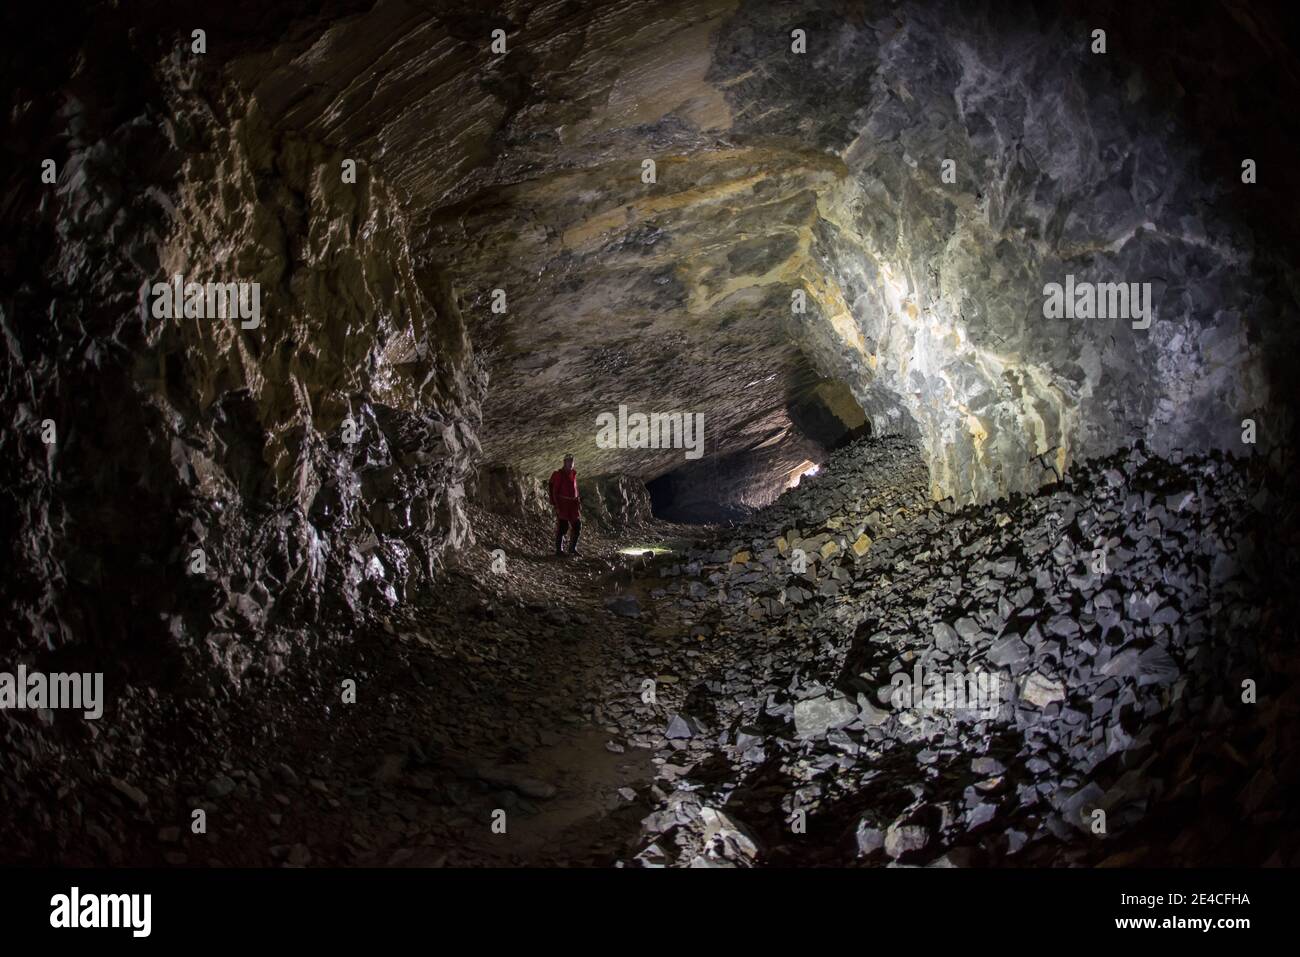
x=177 y=434
x=353 y=331
x=930 y=295
x=614 y=502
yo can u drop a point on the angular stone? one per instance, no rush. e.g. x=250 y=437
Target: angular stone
x=1009 y=651
x=681 y=727
x=1041 y=691
x=815 y=716
x=868 y=837
x=945 y=638
x=719 y=824
x=901 y=839
x=986 y=766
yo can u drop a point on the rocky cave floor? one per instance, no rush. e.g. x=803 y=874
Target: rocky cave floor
x=771 y=738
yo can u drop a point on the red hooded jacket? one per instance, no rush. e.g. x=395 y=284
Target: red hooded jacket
x=564 y=495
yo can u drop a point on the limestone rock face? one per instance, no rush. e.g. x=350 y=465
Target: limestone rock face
x=505 y=491
x=352 y=410
x=616 y=502
x=302 y=465
x=822 y=174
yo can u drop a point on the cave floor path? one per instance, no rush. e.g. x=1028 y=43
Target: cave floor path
x=550 y=754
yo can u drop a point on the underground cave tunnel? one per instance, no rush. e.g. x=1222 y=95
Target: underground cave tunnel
x=820 y=416
x=925 y=368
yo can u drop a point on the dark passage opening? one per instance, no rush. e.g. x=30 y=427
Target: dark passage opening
x=730 y=488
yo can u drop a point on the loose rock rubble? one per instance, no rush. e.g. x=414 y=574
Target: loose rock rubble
x=699 y=702
x=1112 y=620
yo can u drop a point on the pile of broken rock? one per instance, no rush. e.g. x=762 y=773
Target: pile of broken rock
x=1121 y=613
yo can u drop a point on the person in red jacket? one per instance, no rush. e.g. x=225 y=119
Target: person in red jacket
x=567 y=505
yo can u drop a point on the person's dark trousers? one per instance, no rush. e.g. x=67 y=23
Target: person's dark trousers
x=561 y=527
